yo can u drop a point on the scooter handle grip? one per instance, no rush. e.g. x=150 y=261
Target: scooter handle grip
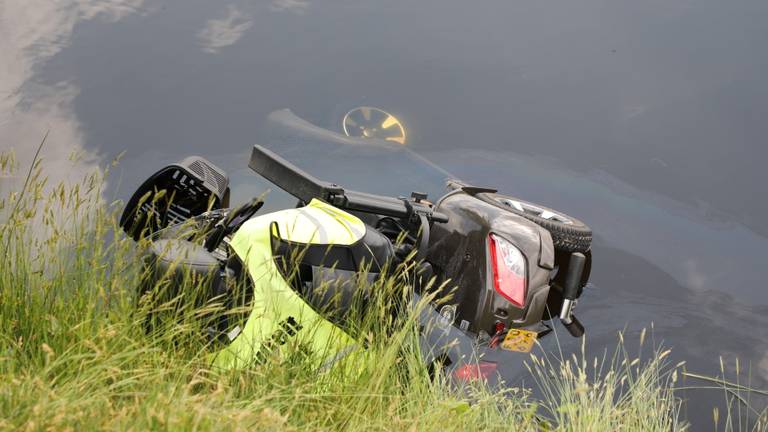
x=573 y=278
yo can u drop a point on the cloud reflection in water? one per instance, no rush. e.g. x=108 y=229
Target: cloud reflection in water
x=294 y=6
x=223 y=32
x=31 y=32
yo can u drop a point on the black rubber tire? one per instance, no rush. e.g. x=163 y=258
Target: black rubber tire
x=573 y=237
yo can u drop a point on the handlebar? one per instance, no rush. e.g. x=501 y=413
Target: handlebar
x=306 y=187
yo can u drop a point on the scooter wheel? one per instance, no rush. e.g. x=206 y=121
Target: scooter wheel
x=568 y=233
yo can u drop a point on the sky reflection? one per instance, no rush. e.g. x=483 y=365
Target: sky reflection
x=32 y=32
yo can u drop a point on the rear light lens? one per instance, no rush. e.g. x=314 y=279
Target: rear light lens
x=474 y=371
x=508 y=267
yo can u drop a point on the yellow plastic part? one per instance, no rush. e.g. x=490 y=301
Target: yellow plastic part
x=275 y=303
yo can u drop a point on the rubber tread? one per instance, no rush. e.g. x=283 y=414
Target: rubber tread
x=576 y=237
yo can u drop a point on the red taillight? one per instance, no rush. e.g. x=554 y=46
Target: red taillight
x=474 y=371
x=508 y=266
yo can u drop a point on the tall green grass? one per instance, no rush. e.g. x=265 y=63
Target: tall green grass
x=74 y=354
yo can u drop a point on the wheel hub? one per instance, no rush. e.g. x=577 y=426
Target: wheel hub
x=532 y=209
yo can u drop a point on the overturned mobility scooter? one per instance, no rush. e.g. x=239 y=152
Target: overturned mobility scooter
x=506 y=271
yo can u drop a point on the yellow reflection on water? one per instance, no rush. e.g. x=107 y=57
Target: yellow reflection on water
x=370 y=122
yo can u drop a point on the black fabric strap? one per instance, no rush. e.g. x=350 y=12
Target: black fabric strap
x=421 y=253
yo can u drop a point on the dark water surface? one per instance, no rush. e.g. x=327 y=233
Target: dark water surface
x=647 y=120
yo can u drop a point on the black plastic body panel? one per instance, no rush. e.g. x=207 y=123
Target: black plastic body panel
x=460 y=248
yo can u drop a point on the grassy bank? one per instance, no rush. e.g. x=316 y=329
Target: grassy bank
x=74 y=356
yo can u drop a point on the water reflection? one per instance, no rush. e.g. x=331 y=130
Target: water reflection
x=32 y=32
x=222 y=32
x=294 y=6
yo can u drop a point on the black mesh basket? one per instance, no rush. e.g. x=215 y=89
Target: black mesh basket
x=174 y=194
